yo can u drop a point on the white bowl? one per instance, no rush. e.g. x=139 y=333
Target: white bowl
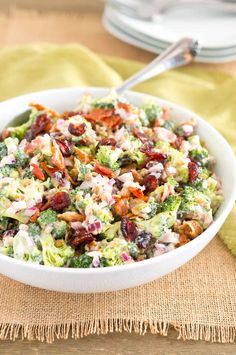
x=125 y=276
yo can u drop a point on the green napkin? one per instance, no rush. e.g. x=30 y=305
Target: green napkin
x=209 y=93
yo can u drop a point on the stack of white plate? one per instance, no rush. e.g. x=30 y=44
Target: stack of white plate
x=215 y=31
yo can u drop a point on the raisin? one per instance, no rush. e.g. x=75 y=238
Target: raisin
x=77 y=129
x=41 y=125
x=60 y=201
x=193 y=171
x=65 y=147
x=107 y=141
x=150 y=182
x=149 y=151
x=143 y=239
x=128 y=229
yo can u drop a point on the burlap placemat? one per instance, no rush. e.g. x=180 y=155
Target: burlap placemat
x=198 y=300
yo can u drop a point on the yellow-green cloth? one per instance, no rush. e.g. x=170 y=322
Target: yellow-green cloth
x=209 y=93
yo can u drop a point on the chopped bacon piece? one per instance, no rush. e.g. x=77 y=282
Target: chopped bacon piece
x=112 y=121
x=35 y=216
x=103 y=170
x=49 y=169
x=193 y=171
x=121 y=206
x=104 y=116
x=69 y=114
x=37 y=172
x=123 y=105
x=137 y=193
x=98 y=114
x=82 y=156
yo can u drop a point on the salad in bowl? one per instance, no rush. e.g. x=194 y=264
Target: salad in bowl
x=104 y=184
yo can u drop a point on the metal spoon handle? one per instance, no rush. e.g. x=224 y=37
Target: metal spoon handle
x=178 y=54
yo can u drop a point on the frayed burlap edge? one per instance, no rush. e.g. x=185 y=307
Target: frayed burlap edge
x=50 y=333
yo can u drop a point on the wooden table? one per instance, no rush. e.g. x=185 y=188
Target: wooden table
x=64 y=21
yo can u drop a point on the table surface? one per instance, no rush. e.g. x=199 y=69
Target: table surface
x=42 y=25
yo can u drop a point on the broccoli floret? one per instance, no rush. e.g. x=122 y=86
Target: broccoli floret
x=104 y=104
x=34 y=229
x=25 y=248
x=55 y=254
x=112 y=231
x=59 y=230
x=109 y=157
x=9 y=171
x=82 y=261
x=158 y=224
x=152 y=111
x=3 y=150
x=107 y=102
x=133 y=250
x=138 y=157
x=192 y=200
x=20 y=131
x=27 y=174
x=22 y=160
x=172 y=203
x=170 y=125
x=47 y=217
x=4 y=221
x=103 y=262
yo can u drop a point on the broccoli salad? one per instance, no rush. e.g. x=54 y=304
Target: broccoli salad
x=106 y=184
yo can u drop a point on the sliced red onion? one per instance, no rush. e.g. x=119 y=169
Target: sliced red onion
x=125 y=256
x=95 y=227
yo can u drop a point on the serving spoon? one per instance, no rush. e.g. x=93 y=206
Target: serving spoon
x=178 y=54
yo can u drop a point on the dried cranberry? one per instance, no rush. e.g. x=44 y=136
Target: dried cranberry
x=128 y=229
x=64 y=146
x=149 y=151
x=77 y=129
x=80 y=237
x=193 y=171
x=150 y=182
x=60 y=201
x=40 y=125
x=107 y=141
x=143 y=239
